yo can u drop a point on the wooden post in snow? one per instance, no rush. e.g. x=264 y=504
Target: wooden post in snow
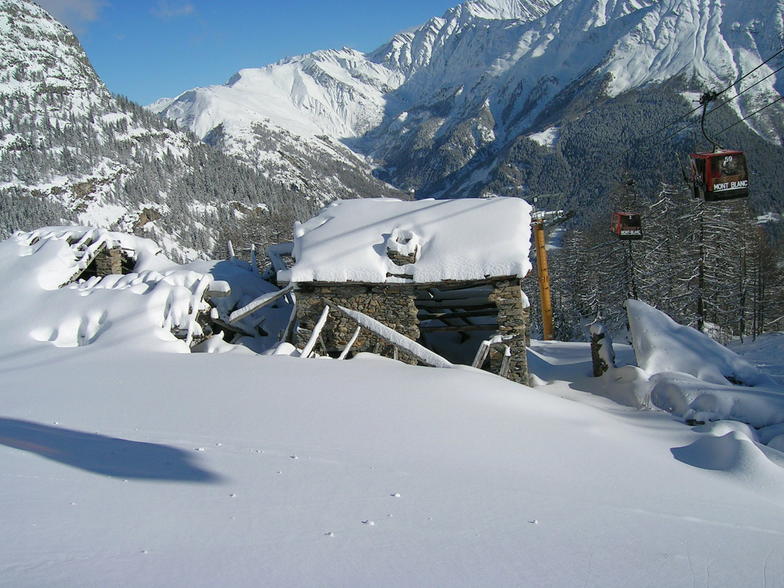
x=602 y=354
x=543 y=274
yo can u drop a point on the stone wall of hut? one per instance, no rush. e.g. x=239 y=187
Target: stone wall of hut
x=513 y=322
x=394 y=306
x=109 y=262
x=390 y=304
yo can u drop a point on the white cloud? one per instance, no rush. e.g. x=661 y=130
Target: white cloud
x=166 y=9
x=77 y=14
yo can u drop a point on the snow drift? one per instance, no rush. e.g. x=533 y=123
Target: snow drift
x=694 y=377
x=127 y=462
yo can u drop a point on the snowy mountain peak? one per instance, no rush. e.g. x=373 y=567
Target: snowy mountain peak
x=438 y=107
x=524 y=10
x=40 y=55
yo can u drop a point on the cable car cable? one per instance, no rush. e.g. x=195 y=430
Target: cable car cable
x=691 y=124
x=745 y=90
x=744 y=76
x=705 y=100
x=692 y=111
x=750 y=115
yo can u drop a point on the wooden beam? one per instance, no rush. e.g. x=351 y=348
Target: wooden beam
x=475 y=303
x=350 y=344
x=260 y=302
x=232 y=328
x=397 y=339
x=457 y=315
x=470 y=292
x=315 y=334
x=458 y=328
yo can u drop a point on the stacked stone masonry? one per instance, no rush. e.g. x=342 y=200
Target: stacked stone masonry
x=400 y=259
x=109 y=262
x=390 y=305
x=512 y=321
x=394 y=306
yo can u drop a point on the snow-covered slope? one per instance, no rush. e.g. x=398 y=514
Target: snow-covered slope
x=339 y=93
x=288 y=115
x=446 y=100
x=72 y=152
x=127 y=462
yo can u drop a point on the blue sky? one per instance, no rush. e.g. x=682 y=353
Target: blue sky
x=147 y=49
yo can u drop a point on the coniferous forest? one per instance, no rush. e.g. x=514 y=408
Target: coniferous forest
x=709 y=265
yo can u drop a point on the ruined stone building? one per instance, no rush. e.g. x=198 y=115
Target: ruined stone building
x=444 y=273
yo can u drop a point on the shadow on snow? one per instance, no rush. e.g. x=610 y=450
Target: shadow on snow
x=108 y=456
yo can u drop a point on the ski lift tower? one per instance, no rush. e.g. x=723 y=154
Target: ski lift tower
x=540 y=219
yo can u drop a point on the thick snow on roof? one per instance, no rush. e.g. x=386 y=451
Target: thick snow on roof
x=467 y=239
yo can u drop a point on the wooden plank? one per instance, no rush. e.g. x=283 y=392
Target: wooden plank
x=314 y=336
x=397 y=339
x=475 y=303
x=232 y=328
x=506 y=362
x=350 y=344
x=457 y=315
x=458 y=293
x=458 y=328
x=288 y=333
x=260 y=302
x=481 y=354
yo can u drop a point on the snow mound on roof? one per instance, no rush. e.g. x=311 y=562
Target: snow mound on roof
x=144 y=308
x=468 y=239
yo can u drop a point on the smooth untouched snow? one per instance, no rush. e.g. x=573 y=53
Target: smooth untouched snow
x=125 y=464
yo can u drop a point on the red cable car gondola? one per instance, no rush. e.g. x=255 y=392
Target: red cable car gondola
x=720 y=175
x=626 y=225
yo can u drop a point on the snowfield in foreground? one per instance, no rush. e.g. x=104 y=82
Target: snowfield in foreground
x=126 y=463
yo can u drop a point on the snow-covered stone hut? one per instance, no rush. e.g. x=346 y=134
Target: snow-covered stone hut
x=445 y=273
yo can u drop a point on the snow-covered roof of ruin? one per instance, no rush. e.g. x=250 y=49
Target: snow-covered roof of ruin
x=466 y=239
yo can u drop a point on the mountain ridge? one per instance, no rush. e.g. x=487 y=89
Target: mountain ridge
x=70 y=152
x=462 y=88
